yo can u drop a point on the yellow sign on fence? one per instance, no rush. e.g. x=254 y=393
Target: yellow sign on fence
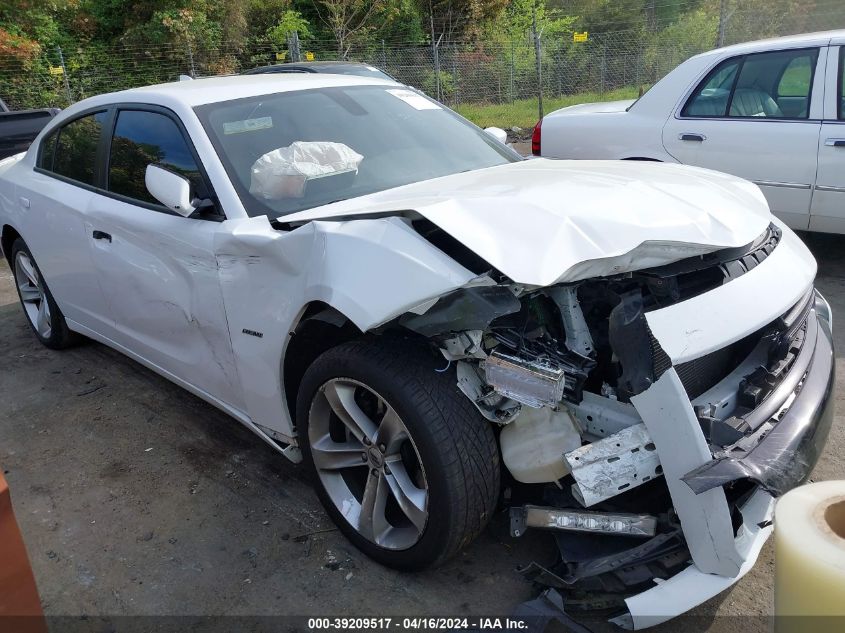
x=309 y=56
x=57 y=70
x=280 y=57
x=580 y=37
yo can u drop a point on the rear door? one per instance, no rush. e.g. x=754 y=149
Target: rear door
x=828 y=211
x=54 y=209
x=757 y=116
x=158 y=270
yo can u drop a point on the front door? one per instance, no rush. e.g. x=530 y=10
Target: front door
x=757 y=116
x=158 y=270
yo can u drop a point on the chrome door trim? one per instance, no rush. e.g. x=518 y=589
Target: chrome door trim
x=785 y=185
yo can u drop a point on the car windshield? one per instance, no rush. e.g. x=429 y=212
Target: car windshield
x=291 y=151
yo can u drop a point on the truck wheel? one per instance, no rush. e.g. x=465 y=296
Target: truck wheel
x=41 y=311
x=405 y=465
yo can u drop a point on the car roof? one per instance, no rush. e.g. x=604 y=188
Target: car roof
x=315 y=64
x=215 y=89
x=820 y=38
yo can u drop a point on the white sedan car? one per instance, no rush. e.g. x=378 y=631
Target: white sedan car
x=772 y=112
x=377 y=287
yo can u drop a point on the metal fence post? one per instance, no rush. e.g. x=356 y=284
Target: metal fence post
x=191 y=57
x=603 y=66
x=64 y=75
x=436 y=46
x=293 y=46
x=456 y=98
x=513 y=64
x=539 y=59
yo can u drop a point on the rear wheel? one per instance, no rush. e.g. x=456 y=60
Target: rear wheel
x=41 y=311
x=404 y=464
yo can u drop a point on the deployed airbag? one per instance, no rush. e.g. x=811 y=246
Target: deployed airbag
x=283 y=172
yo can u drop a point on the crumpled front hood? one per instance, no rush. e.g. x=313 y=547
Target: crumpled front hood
x=542 y=222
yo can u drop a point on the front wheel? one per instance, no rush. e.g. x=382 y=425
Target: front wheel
x=405 y=465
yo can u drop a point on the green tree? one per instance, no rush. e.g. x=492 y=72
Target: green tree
x=289 y=22
x=351 y=22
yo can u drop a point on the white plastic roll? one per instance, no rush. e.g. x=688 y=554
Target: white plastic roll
x=810 y=558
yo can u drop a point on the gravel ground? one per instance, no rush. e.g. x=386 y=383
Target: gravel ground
x=135 y=497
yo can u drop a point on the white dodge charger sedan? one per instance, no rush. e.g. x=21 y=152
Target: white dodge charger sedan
x=380 y=289
x=772 y=112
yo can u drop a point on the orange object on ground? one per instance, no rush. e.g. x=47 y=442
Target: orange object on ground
x=20 y=607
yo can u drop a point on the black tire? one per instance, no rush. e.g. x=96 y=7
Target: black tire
x=455 y=444
x=59 y=336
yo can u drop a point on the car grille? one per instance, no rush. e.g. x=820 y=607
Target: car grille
x=698 y=375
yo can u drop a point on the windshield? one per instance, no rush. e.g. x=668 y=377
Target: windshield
x=291 y=151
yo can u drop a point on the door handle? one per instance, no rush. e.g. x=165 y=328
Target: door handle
x=101 y=235
x=835 y=142
x=692 y=136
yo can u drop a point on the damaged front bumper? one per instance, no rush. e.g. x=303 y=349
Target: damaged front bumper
x=778 y=456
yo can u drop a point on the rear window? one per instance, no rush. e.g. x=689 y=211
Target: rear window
x=76 y=150
x=48 y=151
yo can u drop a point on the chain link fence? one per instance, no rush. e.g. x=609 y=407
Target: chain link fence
x=498 y=71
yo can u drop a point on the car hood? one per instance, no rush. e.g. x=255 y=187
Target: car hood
x=590 y=108
x=542 y=222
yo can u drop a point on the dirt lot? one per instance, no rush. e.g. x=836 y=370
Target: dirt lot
x=135 y=497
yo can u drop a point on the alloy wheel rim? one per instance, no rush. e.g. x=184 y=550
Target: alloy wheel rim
x=33 y=296
x=368 y=463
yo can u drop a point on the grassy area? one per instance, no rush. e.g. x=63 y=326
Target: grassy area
x=523 y=113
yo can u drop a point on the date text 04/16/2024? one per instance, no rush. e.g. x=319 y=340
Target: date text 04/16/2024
x=418 y=623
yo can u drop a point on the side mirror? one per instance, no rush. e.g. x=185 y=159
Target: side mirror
x=172 y=190
x=497 y=133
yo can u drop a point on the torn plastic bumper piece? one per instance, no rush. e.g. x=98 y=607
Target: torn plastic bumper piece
x=617 y=523
x=691 y=587
x=780 y=454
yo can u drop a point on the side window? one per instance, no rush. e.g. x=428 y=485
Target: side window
x=796 y=78
x=711 y=97
x=757 y=90
x=76 y=149
x=842 y=83
x=774 y=85
x=143 y=138
x=48 y=151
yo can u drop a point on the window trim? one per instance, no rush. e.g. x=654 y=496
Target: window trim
x=40 y=156
x=840 y=85
x=100 y=185
x=117 y=108
x=58 y=129
x=743 y=57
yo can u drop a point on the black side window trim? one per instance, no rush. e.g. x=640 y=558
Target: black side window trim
x=742 y=59
x=58 y=132
x=104 y=149
x=39 y=160
x=106 y=162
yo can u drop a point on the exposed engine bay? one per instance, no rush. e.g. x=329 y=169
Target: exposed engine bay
x=558 y=370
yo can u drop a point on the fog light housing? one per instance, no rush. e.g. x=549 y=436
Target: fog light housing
x=616 y=523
